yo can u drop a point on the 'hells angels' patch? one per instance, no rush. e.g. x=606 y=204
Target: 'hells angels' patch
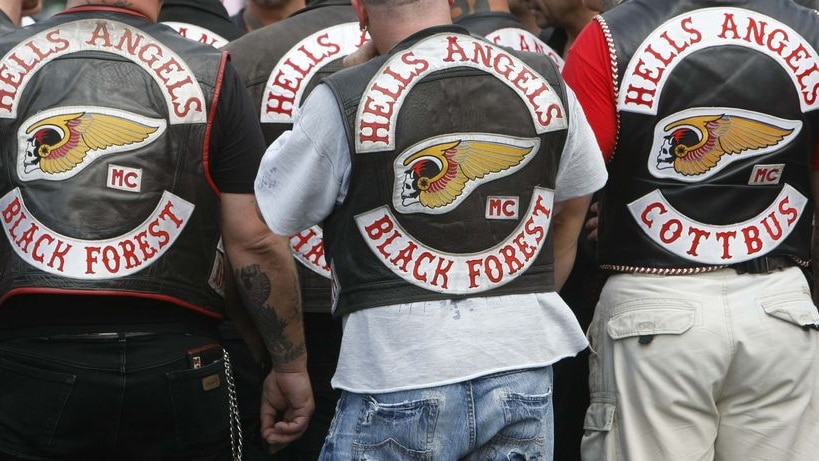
x=658 y=55
x=59 y=143
x=179 y=86
x=288 y=80
x=436 y=175
x=387 y=90
x=308 y=248
x=695 y=144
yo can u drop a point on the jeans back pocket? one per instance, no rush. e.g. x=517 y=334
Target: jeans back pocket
x=31 y=405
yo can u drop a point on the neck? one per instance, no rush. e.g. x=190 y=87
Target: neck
x=256 y=17
x=389 y=26
x=576 y=23
x=530 y=23
x=148 y=8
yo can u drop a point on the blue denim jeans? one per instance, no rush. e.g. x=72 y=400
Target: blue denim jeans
x=504 y=416
x=112 y=398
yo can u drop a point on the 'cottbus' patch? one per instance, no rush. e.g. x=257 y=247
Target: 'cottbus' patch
x=718 y=244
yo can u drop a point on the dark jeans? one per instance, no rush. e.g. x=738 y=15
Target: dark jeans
x=112 y=397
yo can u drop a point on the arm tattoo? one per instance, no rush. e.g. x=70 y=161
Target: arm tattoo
x=255 y=287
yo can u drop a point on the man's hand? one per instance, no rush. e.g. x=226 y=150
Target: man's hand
x=287 y=405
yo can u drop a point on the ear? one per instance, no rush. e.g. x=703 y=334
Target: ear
x=361 y=12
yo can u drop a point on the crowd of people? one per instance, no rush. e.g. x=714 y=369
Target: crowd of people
x=409 y=229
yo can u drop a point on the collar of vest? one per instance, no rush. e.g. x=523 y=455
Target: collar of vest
x=109 y=9
x=429 y=31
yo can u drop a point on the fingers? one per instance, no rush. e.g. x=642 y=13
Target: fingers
x=282 y=432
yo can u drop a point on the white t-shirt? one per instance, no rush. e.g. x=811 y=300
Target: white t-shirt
x=305 y=173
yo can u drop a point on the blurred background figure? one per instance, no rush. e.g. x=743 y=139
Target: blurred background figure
x=12 y=12
x=565 y=18
x=205 y=21
x=259 y=13
x=524 y=13
x=494 y=20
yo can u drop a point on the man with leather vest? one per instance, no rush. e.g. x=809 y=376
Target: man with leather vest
x=705 y=335
x=124 y=190
x=451 y=210
x=493 y=20
x=280 y=65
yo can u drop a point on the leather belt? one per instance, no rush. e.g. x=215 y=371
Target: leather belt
x=764 y=265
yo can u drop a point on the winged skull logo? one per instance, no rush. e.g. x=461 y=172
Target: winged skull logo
x=57 y=144
x=696 y=145
x=438 y=175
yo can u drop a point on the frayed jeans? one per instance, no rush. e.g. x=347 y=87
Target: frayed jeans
x=503 y=416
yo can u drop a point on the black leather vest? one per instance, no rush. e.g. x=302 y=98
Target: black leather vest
x=453 y=172
x=281 y=65
x=505 y=29
x=105 y=187
x=717 y=128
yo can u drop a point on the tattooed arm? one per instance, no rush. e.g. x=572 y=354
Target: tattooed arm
x=265 y=276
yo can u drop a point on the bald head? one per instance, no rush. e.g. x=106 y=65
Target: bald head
x=391 y=21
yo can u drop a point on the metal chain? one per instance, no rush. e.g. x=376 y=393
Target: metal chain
x=235 y=421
